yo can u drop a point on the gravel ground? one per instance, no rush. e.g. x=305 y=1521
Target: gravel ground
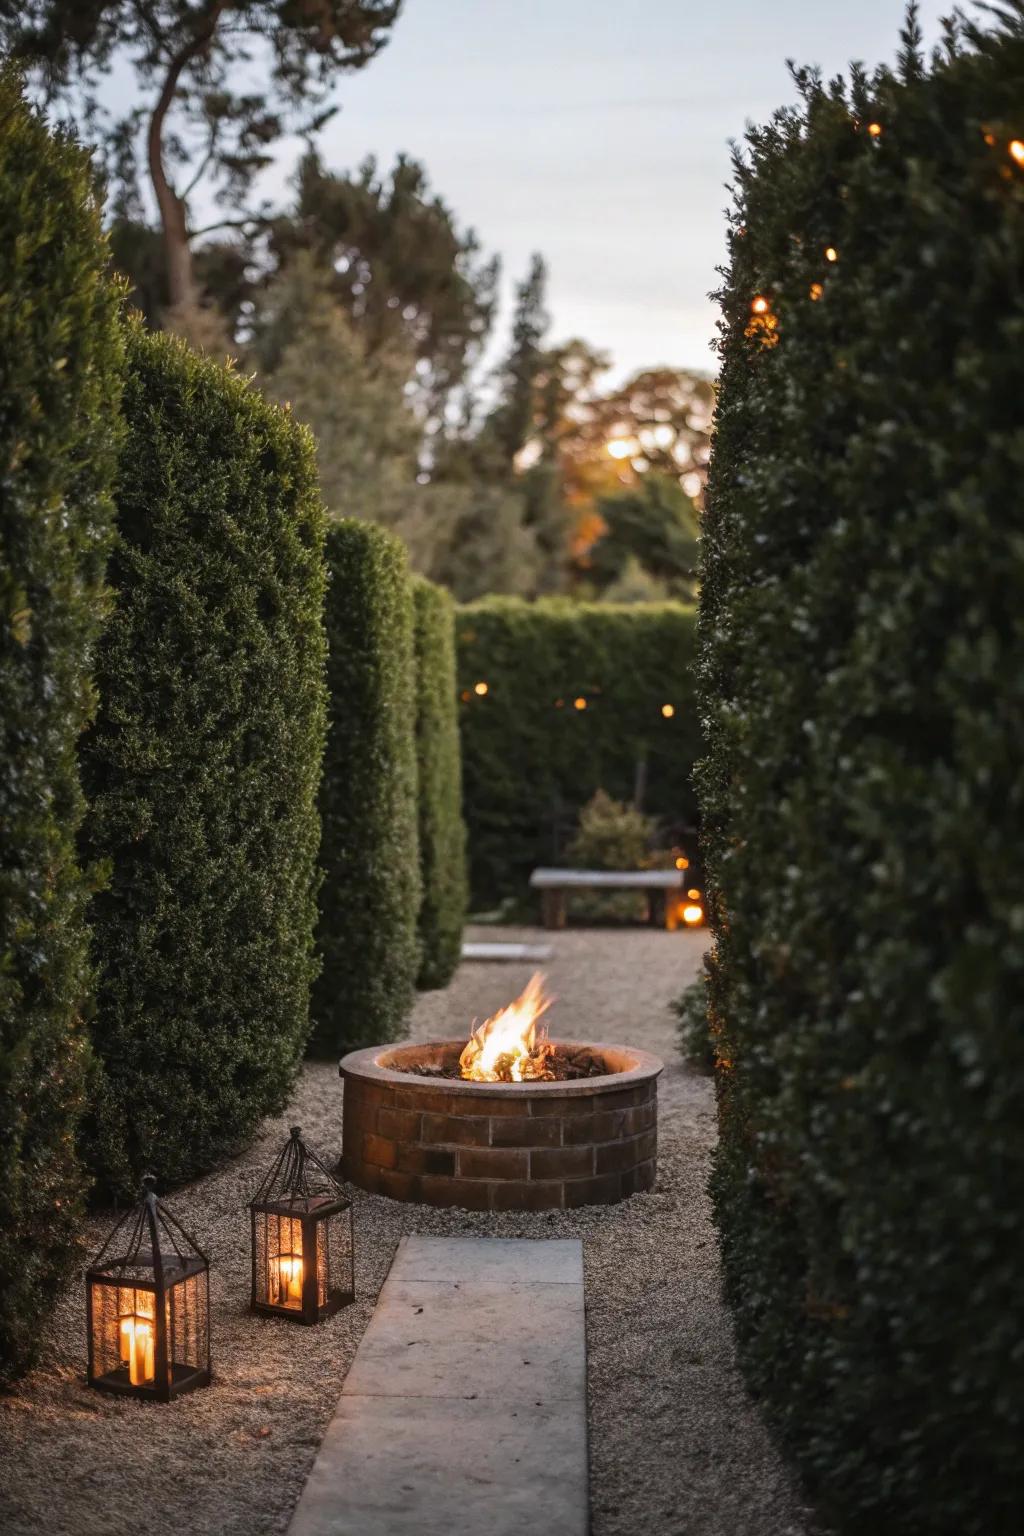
x=676 y=1446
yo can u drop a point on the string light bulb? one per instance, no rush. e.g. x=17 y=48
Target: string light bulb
x=816 y=290
x=875 y=130
x=682 y=863
x=579 y=703
x=759 y=304
x=668 y=710
x=1017 y=150
x=480 y=688
x=831 y=254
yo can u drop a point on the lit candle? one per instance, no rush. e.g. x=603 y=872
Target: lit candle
x=137 y=1346
x=289 y=1279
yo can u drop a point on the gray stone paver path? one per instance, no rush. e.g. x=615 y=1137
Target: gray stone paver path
x=464 y=1411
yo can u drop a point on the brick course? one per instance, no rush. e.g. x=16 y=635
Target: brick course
x=491 y=1149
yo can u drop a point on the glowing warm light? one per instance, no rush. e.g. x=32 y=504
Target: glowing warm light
x=289 y=1280
x=682 y=863
x=694 y=895
x=817 y=290
x=137 y=1345
x=621 y=447
x=693 y=915
x=989 y=138
x=508 y=1048
x=831 y=254
x=668 y=710
x=480 y=688
x=763 y=324
x=1016 y=147
x=579 y=703
x=875 y=130
x=465 y=695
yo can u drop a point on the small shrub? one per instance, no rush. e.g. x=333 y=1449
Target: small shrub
x=60 y=366
x=610 y=835
x=202 y=769
x=442 y=834
x=370 y=901
x=531 y=758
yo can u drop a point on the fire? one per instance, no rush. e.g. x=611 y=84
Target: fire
x=508 y=1047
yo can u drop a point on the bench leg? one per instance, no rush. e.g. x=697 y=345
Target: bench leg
x=552 y=906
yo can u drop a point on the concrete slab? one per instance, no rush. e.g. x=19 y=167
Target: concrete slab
x=476 y=1469
x=464 y=1412
x=476 y=1260
x=437 y=1338
x=506 y=951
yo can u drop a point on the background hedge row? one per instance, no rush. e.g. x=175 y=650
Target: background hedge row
x=532 y=759
x=202 y=769
x=862 y=673
x=370 y=899
x=442 y=833
x=60 y=363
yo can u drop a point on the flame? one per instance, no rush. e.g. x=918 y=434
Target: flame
x=508 y=1048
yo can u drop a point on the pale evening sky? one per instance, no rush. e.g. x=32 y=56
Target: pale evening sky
x=597 y=132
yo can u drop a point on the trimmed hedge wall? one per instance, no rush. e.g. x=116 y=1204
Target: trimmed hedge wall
x=60 y=365
x=371 y=893
x=532 y=759
x=442 y=833
x=202 y=769
x=862 y=673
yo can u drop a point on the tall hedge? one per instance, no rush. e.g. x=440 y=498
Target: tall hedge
x=862 y=671
x=203 y=767
x=60 y=365
x=442 y=833
x=532 y=758
x=371 y=893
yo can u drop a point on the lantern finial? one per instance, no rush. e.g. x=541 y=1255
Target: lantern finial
x=296 y=1132
x=148 y=1184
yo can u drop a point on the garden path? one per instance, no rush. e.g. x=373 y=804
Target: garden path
x=676 y=1447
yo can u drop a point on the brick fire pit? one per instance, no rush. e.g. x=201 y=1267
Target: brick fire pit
x=529 y=1146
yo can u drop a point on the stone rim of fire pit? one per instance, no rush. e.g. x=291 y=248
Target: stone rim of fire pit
x=636 y=1067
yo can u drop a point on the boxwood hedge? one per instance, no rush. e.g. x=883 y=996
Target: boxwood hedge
x=560 y=699
x=862 y=674
x=371 y=893
x=442 y=833
x=203 y=767
x=60 y=364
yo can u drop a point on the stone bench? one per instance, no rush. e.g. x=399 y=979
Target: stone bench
x=554 y=885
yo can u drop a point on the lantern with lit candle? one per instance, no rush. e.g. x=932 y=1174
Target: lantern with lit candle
x=303 y=1262
x=147 y=1301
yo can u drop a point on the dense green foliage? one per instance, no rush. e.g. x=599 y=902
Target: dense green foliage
x=862 y=673
x=442 y=834
x=370 y=899
x=202 y=769
x=60 y=363
x=532 y=758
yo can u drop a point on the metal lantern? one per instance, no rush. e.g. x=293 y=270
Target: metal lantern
x=147 y=1302
x=303 y=1265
